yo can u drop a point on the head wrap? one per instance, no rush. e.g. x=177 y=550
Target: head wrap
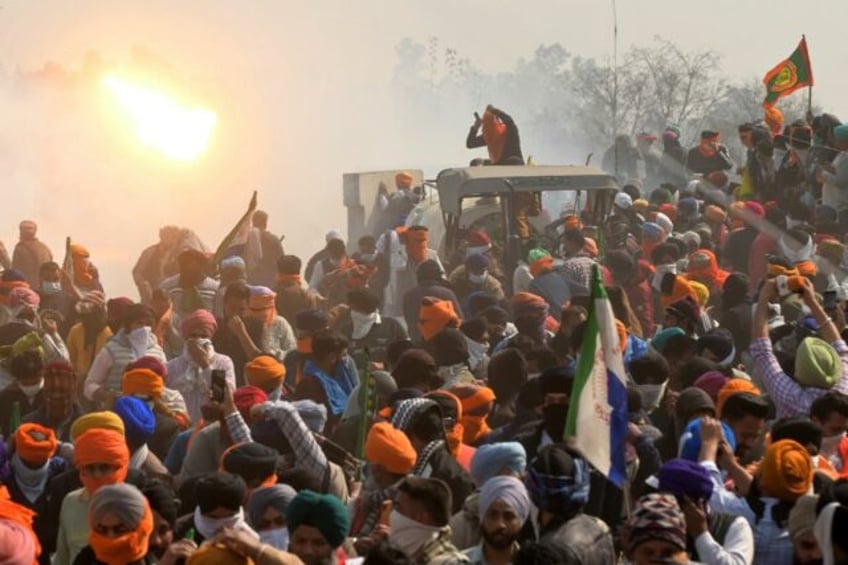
x=29 y=342
x=217 y=554
x=22 y=296
x=219 y=490
x=679 y=290
x=527 y=304
x=477 y=262
x=658 y=517
x=262 y=304
x=731 y=388
x=252 y=462
x=97 y=420
x=101 y=446
x=720 y=345
x=508 y=489
x=686 y=309
x=275 y=496
x=322 y=511
x=685 y=478
x=126 y=503
x=199 y=320
x=264 y=372
x=622 y=200
x=556 y=480
x=143 y=382
x=314 y=415
x=786 y=471
x=802 y=517
x=18 y=545
x=311 y=320
x=658 y=341
x=139 y=420
x=247 y=397
x=478 y=238
x=403 y=180
x=691 y=402
x=390 y=447
x=35 y=443
x=408 y=409
x=490 y=460
x=690 y=440
x=434 y=315
x=816 y=364
x=711 y=382
x=116 y=307
x=540 y=261
x=60 y=369
x=477 y=402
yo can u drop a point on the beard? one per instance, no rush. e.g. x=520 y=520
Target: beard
x=499 y=540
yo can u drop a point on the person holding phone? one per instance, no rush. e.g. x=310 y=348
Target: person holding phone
x=192 y=372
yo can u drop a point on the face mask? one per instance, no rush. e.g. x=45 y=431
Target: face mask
x=31 y=390
x=204 y=344
x=478 y=279
x=651 y=396
x=362 y=323
x=278 y=538
x=51 y=287
x=139 y=339
x=554 y=416
x=830 y=444
x=367 y=257
x=92 y=484
x=127 y=548
x=209 y=527
x=408 y=535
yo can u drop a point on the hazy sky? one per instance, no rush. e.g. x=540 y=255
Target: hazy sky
x=304 y=89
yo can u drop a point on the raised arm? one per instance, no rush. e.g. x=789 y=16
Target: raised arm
x=308 y=453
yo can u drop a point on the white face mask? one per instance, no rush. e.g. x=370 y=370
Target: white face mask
x=408 y=535
x=31 y=390
x=139 y=339
x=362 y=323
x=278 y=538
x=48 y=287
x=478 y=279
x=209 y=527
x=652 y=396
x=830 y=444
x=204 y=344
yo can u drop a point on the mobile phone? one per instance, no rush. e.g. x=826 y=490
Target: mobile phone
x=829 y=300
x=219 y=385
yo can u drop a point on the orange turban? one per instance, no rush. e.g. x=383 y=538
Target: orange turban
x=774 y=119
x=715 y=214
x=542 y=265
x=434 y=315
x=732 y=388
x=35 y=443
x=97 y=420
x=679 y=291
x=80 y=255
x=143 y=382
x=403 y=180
x=786 y=471
x=572 y=222
x=477 y=402
x=217 y=554
x=264 y=372
x=99 y=446
x=390 y=447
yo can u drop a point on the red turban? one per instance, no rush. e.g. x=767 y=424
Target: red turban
x=199 y=320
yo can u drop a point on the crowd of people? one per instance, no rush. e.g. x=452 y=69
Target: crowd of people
x=405 y=404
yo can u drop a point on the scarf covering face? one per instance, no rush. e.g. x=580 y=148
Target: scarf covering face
x=362 y=323
x=491 y=460
x=101 y=446
x=262 y=304
x=324 y=512
x=494 y=134
x=477 y=402
x=410 y=536
x=416 y=244
x=434 y=315
x=509 y=490
x=30 y=481
x=390 y=448
x=209 y=527
x=126 y=503
x=786 y=472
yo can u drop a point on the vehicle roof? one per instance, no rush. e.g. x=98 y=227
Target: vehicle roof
x=455 y=184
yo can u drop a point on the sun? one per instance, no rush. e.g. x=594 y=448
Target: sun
x=161 y=123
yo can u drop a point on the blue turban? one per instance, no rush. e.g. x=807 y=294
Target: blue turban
x=683 y=478
x=490 y=459
x=662 y=337
x=690 y=440
x=139 y=420
x=508 y=489
x=324 y=512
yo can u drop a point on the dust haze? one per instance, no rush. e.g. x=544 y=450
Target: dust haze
x=304 y=92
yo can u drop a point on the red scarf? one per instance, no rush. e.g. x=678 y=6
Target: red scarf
x=494 y=134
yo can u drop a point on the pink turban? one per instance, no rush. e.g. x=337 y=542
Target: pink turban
x=23 y=297
x=199 y=320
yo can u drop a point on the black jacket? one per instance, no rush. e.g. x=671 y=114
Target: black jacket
x=512 y=144
x=445 y=467
x=697 y=162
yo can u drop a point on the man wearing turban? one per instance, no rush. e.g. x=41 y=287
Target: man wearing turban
x=318 y=525
x=504 y=508
x=191 y=373
x=120 y=524
x=405 y=249
x=30 y=253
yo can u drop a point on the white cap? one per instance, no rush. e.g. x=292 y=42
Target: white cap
x=623 y=200
x=334 y=233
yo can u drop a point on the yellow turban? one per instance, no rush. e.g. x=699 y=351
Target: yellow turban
x=97 y=420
